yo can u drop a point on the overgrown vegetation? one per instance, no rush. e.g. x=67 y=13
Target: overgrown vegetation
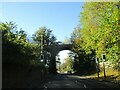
x=67 y=65
x=112 y=75
x=20 y=57
x=16 y=48
x=99 y=33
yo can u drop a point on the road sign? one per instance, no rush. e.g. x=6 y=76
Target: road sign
x=96 y=60
x=103 y=57
x=42 y=58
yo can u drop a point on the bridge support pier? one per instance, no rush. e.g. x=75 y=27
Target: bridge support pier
x=52 y=66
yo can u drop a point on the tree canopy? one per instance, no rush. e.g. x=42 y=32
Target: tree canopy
x=16 y=48
x=100 y=31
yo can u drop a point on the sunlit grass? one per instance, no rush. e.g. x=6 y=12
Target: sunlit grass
x=111 y=75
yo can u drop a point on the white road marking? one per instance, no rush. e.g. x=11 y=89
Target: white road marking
x=45 y=87
x=68 y=84
x=85 y=86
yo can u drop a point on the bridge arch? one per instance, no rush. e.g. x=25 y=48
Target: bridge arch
x=54 y=50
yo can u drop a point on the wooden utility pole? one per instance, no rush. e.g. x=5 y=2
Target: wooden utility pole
x=103 y=59
x=98 y=68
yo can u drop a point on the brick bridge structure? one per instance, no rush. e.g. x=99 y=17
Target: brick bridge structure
x=54 y=50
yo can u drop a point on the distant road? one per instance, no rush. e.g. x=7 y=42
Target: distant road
x=63 y=81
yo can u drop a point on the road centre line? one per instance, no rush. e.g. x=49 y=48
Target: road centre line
x=85 y=86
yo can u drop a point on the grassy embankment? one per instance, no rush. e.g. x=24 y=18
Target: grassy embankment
x=111 y=75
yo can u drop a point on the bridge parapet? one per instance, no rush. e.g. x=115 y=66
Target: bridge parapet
x=59 y=47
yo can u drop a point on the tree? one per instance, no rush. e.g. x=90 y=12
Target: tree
x=67 y=65
x=15 y=47
x=99 y=33
x=67 y=41
x=46 y=34
x=58 y=60
x=44 y=37
x=100 y=29
x=83 y=60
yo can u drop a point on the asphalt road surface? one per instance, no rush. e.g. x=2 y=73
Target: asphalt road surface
x=63 y=81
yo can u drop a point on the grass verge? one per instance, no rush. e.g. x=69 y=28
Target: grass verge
x=111 y=76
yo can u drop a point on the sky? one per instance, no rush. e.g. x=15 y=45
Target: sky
x=60 y=17
x=63 y=54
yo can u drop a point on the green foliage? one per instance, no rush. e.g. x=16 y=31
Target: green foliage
x=44 y=37
x=17 y=50
x=66 y=41
x=68 y=65
x=58 y=60
x=15 y=47
x=100 y=31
